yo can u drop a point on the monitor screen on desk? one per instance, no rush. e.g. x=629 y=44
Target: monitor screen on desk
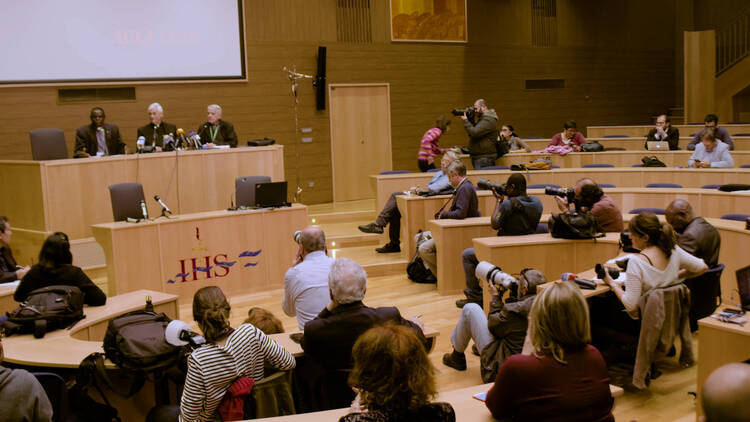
x=270 y=194
x=743 y=286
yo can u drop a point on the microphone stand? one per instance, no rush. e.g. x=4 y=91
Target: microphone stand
x=294 y=77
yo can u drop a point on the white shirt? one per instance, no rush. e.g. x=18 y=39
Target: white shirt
x=642 y=276
x=719 y=157
x=306 y=288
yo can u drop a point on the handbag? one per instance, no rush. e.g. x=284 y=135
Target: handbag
x=652 y=161
x=592 y=146
x=577 y=225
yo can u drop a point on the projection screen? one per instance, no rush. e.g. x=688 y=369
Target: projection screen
x=54 y=41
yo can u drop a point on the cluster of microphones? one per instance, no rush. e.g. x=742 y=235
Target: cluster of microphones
x=172 y=141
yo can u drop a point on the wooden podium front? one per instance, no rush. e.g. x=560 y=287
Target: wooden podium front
x=239 y=251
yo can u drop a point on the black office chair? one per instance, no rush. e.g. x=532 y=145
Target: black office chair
x=126 y=200
x=48 y=144
x=57 y=393
x=705 y=294
x=244 y=189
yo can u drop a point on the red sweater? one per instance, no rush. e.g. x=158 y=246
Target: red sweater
x=528 y=388
x=578 y=139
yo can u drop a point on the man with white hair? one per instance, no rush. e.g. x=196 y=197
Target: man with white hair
x=216 y=131
x=329 y=338
x=157 y=129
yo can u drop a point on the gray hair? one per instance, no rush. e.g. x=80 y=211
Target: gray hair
x=457 y=168
x=215 y=107
x=347 y=281
x=312 y=239
x=156 y=106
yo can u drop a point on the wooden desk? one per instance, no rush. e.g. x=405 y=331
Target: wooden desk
x=741 y=143
x=549 y=255
x=183 y=254
x=719 y=343
x=642 y=130
x=621 y=177
x=71 y=195
x=616 y=158
x=7 y=303
x=67 y=348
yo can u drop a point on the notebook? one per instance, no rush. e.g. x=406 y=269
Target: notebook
x=743 y=286
x=271 y=194
x=657 y=146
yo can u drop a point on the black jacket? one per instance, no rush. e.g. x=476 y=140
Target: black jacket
x=148 y=132
x=465 y=203
x=7 y=265
x=67 y=275
x=673 y=137
x=224 y=135
x=86 y=138
x=483 y=136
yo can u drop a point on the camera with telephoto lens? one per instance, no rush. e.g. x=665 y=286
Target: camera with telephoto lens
x=488 y=272
x=498 y=188
x=469 y=111
x=297 y=236
x=568 y=193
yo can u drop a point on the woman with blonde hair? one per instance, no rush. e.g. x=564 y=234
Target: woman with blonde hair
x=564 y=378
x=394 y=378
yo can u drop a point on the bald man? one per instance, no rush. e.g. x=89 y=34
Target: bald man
x=306 y=290
x=726 y=394
x=694 y=234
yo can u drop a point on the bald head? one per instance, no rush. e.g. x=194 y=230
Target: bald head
x=726 y=394
x=312 y=239
x=679 y=214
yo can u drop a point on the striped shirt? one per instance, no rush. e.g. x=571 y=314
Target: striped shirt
x=213 y=368
x=430 y=145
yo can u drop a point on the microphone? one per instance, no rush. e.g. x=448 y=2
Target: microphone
x=164 y=206
x=568 y=276
x=178 y=333
x=168 y=140
x=140 y=143
x=144 y=211
x=180 y=136
x=195 y=139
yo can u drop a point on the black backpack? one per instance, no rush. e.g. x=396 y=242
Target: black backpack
x=652 y=161
x=578 y=225
x=47 y=309
x=417 y=271
x=502 y=146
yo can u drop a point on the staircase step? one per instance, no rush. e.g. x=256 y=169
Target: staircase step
x=376 y=264
x=342 y=217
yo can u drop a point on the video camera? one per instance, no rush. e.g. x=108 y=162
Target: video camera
x=498 y=188
x=491 y=273
x=568 y=193
x=469 y=111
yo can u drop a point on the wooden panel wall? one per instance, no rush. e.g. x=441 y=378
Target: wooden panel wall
x=617 y=59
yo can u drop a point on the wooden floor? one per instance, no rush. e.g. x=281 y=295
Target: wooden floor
x=666 y=400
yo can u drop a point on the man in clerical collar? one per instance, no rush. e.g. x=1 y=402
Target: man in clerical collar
x=157 y=130
x=216 y=131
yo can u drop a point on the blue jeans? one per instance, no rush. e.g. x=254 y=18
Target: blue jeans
x=473 y=290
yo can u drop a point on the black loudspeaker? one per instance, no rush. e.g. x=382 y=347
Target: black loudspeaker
x=320 y=80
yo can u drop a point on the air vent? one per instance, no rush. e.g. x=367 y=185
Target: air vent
x=95 y=95
x=353 y=21
x=545 y=83
x=543 y=23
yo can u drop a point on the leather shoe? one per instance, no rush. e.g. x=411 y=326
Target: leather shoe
x=370 y=228
x=456 y=361
x=475 y=349
x=388 y=248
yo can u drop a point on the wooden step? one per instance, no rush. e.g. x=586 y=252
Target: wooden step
x=375 y=264
x=342 y=217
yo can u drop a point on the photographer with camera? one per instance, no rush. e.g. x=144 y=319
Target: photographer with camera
x=588 y=196
x=502 y=333
x=480 y=123
x=515 y=216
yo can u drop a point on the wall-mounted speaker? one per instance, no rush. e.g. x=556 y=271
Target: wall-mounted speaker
x=320 y=80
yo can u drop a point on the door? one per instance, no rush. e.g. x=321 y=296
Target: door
x=360 y=137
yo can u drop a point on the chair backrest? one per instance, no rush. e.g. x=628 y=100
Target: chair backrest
x=597 y=165
x=126 y=200
x=542 y=186
x=710 y=186
x=395 y=172
x=57 y=393
x=657 y=211
x=554 y=166
x=244 y=189
x=705 y=294
x=48 y=144
x=745 y=166
x=735 y=217
x=606 y=185
x=542 y=228
x=741 y=134
x=637 y=165
x=271 y=396
x=663 y=185
x=433 y=170
x=496 y=168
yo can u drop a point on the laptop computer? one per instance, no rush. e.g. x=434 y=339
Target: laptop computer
x=271 y=194
x=743 y=286
x=657 y=146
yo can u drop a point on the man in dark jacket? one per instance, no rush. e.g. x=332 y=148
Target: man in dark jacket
x=216 y=131
x=98 y=138
x=157 y=130
x=465 y=204
x=9 y=270
x=664 y=132
x=482 y=135
x=501 y=334
x=695 y=235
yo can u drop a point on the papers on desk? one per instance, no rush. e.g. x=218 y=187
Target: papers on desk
x=730 y=317
x=11 y=283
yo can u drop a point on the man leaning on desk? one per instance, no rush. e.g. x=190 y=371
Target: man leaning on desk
x=98 y=138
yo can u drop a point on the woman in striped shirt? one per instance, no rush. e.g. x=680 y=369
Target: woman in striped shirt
x=228 y=354
x=430 y=146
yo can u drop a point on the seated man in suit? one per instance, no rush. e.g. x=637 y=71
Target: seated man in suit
x=711 y=125
x=711 y=152
x=515 y=216
x=216 y=131
x=664 y=131
x=390 y=215
x=695 y=235
x=9 y=271
x=157 y=130
x=329 y=338
x=98 y=138
x=465 y=204
x=590 y=197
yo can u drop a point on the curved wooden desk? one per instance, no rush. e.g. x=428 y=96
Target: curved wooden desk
x=642 y=130
x=741 y=143
x=616 y=158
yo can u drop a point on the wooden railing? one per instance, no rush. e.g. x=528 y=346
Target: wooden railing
x=732 y=42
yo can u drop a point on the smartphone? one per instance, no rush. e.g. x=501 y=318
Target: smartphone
x=733 y=311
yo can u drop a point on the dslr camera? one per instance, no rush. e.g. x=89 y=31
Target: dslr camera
x=498 y=188
x=568 y=193
x=470 y=112
x=491 y=273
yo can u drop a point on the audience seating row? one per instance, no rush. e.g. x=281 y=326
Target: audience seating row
x=642 y=130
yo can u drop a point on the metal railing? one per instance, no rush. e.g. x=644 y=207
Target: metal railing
x=732 y=42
